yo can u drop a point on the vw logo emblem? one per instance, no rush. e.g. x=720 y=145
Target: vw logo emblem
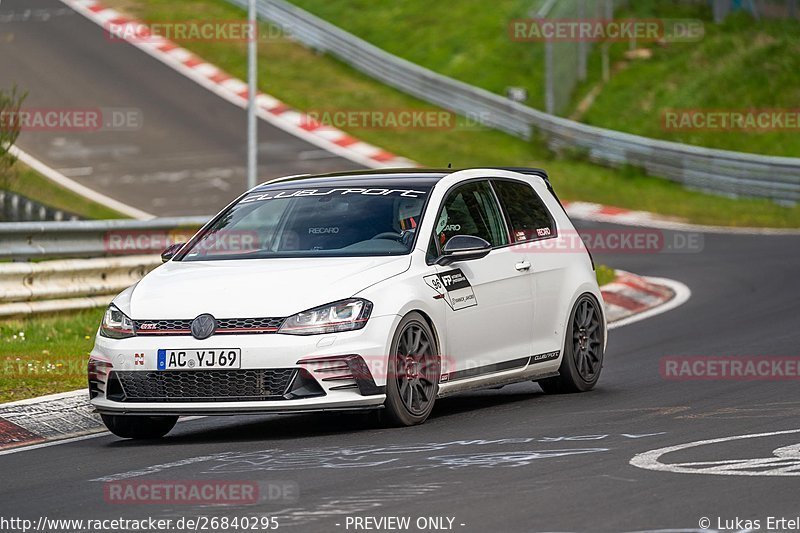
x=203 y=326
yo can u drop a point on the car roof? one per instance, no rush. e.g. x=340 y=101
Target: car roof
x=390 y=177
x=395 y=177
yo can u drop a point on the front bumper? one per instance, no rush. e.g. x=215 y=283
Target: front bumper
x=317 y=373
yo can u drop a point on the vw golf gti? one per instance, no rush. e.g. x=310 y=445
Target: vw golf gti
x=364 y=290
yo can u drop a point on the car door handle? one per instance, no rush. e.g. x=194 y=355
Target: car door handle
x=524 y=265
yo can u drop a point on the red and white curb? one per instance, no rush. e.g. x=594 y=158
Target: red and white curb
x=615 y=215
x=48 y=418
x=235 y=90
x=631 y=298
x=68 y=416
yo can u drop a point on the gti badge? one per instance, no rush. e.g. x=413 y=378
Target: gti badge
x=203 y=326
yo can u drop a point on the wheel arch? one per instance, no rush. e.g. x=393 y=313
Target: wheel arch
x=597 y=296
x=431 y=324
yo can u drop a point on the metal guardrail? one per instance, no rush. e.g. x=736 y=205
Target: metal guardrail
x=720 y=171
x=68 y=284
x=50 y=240
x=16 y=207
x=69 y=278
x=111 y=255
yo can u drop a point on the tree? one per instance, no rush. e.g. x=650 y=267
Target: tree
x=10 y=104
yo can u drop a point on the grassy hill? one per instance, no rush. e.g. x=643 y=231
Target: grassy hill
x=738 y=65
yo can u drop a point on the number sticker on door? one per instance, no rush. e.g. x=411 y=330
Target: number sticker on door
x=454 y=287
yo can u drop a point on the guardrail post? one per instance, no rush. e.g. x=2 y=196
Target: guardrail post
x=583 y=47
x=549 y=90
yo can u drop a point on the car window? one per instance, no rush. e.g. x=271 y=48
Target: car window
x=433 y=250
x=471 y=209
x=528 y=217
x=330 y=221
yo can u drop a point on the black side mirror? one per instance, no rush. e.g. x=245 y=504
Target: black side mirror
x=171 y=250
x=463 y=248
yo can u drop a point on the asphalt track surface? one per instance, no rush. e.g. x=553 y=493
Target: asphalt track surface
x=185 y=156
x=511 y=460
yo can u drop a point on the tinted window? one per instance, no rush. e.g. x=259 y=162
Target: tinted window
x=471 y=210
x=321 y=221
x=528 y=218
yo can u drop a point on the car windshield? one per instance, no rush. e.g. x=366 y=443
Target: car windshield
x=322 y=221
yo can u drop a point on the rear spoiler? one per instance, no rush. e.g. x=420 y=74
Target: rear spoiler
x=539 y=173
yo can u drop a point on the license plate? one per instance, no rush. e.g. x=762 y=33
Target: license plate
x=199 y=359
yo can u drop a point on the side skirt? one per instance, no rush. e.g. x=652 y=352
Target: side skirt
x=497 y=375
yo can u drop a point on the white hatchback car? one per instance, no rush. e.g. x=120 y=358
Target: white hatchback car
x=372 y=289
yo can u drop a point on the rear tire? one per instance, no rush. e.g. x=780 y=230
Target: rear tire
x=139 y=427
x=583 y=350
x=412 y=380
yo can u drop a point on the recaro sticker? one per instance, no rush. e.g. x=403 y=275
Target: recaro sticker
x=454 y=286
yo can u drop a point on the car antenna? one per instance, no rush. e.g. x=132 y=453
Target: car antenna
x=449 y=165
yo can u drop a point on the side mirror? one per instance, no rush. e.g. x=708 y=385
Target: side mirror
x=171 y=250
x=463 y=248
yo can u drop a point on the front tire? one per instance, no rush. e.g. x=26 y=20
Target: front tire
x=139 y=427
x=583 y=350
x=412 y=380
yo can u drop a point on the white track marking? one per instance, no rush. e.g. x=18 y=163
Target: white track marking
x=650 y=460
x=160 y=467
x=682 y=295
x=59 y=178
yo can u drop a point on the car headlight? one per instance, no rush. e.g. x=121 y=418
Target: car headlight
x=346 y=315
x=116 y=324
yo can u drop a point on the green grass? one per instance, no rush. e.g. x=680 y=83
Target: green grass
x=34 y=186
x=738 y=65
x=308 y=81
x=467 y=40
x=605 y=274
x=42 y=355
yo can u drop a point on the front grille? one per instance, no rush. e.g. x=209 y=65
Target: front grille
x=151 y=327
x=225 y=326
x=202 y=385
